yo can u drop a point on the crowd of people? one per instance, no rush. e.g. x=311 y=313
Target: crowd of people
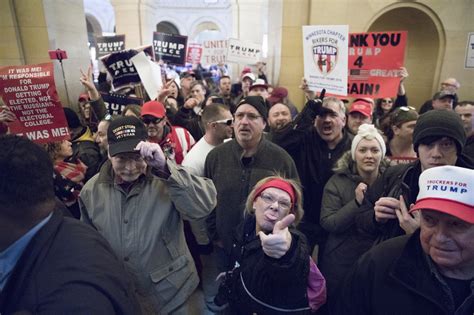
x=345 y=207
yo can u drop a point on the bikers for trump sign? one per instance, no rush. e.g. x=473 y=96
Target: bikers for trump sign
x=30 y=93
x=109 y=44
x=170 y=48
x=121 y=68
x=374 y=63
x=325 y=57
x=243 y=52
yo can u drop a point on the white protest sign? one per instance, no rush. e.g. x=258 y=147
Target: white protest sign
x=150 y=74
x=470 y=51
x=214 y=52
x=243 y=52
x=325 y=57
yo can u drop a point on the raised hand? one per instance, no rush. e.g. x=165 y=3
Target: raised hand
x=6 y=115
x=86 y=80
x=408 y=222
x=152 y=153
x=385 y=209
x=278 y=243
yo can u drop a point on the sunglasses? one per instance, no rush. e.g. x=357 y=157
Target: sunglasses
x=387 y=101
x=151 y=120
x=227 y=122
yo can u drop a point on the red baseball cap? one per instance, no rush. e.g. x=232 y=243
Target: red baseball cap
x=362 y=107
x=277 y=95
x=153 y=108
x=448 y=189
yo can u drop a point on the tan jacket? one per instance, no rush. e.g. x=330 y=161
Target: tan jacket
x=145 y=229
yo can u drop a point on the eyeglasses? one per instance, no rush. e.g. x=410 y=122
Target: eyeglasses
x=150 y=119
x=250 y=116
x=227 y=122
x=269 y=200
x=387 y=101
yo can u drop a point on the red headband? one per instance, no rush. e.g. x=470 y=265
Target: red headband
x=280 y=184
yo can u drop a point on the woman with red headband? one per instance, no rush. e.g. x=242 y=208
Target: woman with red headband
x=271 y=260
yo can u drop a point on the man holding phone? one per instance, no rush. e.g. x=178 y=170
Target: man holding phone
x=438 y=139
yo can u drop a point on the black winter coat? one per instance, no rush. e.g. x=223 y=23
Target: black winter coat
x=397 y=277
x=313 y=159
x=68 y=268
x=281 y=283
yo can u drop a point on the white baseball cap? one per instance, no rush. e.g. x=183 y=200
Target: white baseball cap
x=447 y=189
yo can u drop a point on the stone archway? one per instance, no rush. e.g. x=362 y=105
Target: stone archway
x=167 y=27
x=93 y=29
x=425 y=47
x=206 y=30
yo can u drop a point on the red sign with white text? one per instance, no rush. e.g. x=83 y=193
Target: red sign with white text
x=374 y=63
x=30 y=93
x=194 y=54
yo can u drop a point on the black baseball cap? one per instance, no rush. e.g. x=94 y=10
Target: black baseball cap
x=124 y=133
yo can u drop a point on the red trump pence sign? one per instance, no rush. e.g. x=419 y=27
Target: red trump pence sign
x=374 y=63
x=30 y=93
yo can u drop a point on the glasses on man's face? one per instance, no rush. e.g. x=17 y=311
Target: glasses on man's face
x=250 y=116
x=227 y=122
x=269 y=200
x=389 y=101
x=151 y=120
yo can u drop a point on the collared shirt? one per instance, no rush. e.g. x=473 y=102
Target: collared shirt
x=10 y=256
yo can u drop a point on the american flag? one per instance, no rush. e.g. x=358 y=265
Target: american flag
x=358 y=74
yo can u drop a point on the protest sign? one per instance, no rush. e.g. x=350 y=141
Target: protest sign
x=374 y=63
x=194 y=54
x=325 y=57
x=30 y=93
x=214 y=52
x=243 y=52
x=115 y=103
x=170 y=48
x=121 y=68
x=470 y=51
x=150 y=74
x=109 y=44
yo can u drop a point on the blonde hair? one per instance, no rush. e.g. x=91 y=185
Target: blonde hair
x=297 y=208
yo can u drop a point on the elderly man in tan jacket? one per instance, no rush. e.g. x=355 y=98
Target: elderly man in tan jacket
x=138 y=202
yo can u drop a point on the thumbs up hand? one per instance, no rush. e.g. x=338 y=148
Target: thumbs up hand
x=278 y=243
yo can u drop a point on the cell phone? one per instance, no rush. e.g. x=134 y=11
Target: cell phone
x=57 y=54
x=218 y=100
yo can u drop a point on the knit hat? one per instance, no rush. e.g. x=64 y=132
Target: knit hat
x=367 y=132
x=448 y=189
x=258 y=102
x=72 y=118
x=402 y=115
x=439 y=123
x=153 y=108
x=124 y=133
